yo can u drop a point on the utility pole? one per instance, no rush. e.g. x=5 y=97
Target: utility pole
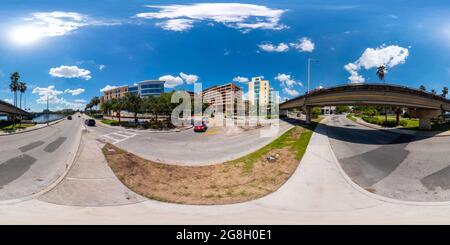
x=48 y=112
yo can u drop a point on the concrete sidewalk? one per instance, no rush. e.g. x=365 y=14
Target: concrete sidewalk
x=317 y=193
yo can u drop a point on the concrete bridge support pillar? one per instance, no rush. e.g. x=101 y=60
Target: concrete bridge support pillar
x=308 y=113
x=425 y=116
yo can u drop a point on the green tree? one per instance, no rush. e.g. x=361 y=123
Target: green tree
x=95 y=101
x=422 y=88
x=342 y=109
x=433 y=91
x=444 y=92
x=106 y=107
x=14 y=85
x=316 y=111
x=381 y=71
x=133 y=103
x=21 y=87
x=117 y=106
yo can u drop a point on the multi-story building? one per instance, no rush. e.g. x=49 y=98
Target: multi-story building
x=117 y=92
x=259 y=92
x=144 y=88
x=228 y=96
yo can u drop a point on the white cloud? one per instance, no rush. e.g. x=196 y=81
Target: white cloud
x=245 y=17
x=80 y=101
x=269 y=47
x=240 y=79
x=171 y=81
x=74 y=92
x=286 y=80
x=101 y=67
x=107 y=87
x=189 y=79
x=52 y=95
x=70 y=72
x=176 y=24
x=8 y=101
x=291 y=92
x=56 y=23
x=304 y=45
x=388 y=56
x=50 y=92
x=288 y=84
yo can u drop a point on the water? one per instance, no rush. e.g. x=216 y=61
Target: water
x=44 y=118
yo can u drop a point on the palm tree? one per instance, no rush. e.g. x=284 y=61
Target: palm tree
x=13 y=86
x=444 y=92
x=133 y=104
x=95 y=101
x=381 y=71
x=118 y=105
x=422 y=88
x=105 y=107
x=22 y=87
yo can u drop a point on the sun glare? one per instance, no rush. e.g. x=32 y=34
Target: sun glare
x=25 y=35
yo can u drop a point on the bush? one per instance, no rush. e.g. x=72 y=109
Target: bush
x=373 y=120
x=389 y=123
x=316 y=111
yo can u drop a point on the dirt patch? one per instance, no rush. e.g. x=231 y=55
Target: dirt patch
x=230 y=182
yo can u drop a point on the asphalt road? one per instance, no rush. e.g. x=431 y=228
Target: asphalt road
x=399 y=166
x=32 y=161
x=216 y=145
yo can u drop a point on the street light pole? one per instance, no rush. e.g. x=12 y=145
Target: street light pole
x=48 y=114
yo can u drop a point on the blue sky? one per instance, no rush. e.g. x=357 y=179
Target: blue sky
x=70 y=50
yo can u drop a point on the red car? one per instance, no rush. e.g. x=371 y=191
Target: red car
x=200 y=127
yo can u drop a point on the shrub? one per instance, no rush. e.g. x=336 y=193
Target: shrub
x=389 y=123
x=316 y=111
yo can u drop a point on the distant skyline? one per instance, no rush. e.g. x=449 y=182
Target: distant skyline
x=71 y=50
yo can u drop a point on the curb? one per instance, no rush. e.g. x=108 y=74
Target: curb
x=363 y=191
x=405 y=131
x=26 y=131
x=69 y=163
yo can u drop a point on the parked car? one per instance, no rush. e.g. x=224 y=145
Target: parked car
x=69 y=118
x=200 y=127
x=89 y=122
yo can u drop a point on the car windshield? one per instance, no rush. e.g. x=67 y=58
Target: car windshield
x=198 y=124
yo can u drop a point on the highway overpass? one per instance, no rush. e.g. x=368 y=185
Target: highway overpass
x=424 y=105
x=6 y=108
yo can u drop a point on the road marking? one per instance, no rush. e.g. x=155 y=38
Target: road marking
x=118 y=136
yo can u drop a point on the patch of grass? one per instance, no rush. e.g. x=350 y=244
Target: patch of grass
x=110 y=122
x=298 y=146
x=351 y=117
x=17 y=126
x=434 y=127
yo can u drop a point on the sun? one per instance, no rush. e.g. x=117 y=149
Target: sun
x=25 y=35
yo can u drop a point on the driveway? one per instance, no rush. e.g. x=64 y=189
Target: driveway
x=30 y=162
x=216 y=145
x=404 y=167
